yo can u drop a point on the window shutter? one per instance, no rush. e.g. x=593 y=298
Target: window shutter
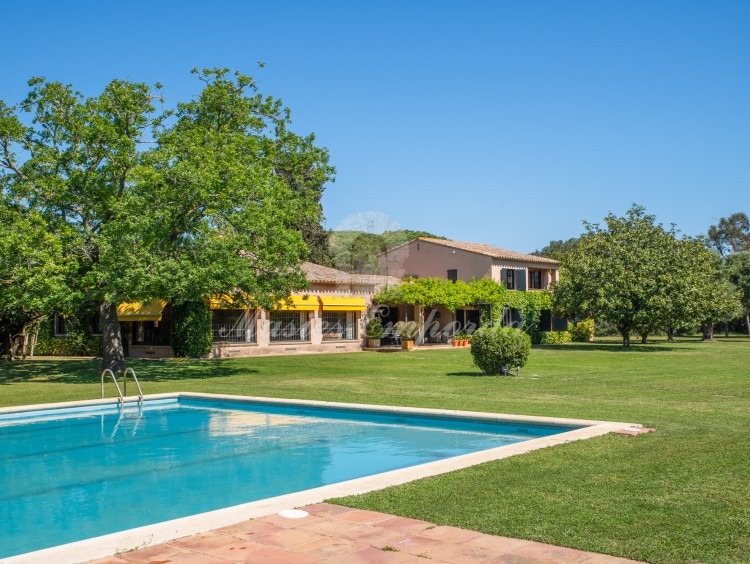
x=520 y=279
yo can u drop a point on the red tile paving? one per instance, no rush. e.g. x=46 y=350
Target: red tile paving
x=332 y=533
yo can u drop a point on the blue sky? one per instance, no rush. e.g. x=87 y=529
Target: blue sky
x=505 y=123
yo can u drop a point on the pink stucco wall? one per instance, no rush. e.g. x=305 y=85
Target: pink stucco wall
x=425 y=259
x=428 y=260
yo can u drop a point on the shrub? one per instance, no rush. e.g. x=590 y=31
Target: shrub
x=374 y=328
x=583 y=331
x=191 y=329
x=407 y=330
x=495 y=348
x=79 y=341
x=554 y=337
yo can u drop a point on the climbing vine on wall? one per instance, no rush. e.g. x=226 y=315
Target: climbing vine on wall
x=486 y=294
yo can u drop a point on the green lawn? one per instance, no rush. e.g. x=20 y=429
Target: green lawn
x=680 y=494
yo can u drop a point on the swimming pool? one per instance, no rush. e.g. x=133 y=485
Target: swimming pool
x=82 y=471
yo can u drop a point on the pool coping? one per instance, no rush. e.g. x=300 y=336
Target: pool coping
x=140 y=537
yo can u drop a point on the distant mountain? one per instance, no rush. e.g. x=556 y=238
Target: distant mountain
x=357 y=251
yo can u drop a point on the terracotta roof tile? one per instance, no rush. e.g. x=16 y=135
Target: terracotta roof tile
x=489 y=250
x=325 y=274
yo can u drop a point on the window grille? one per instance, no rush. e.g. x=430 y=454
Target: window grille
x=339 y=325
x=288 y=326
x=233 y=326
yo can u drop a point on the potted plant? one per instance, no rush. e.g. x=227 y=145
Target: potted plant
x=374 y=331
x=408 y=331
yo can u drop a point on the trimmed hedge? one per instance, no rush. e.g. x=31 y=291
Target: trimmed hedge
x=554 y=337
x=496 y=347
x=191 y=329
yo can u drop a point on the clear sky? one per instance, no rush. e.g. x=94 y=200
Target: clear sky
x=494 y=122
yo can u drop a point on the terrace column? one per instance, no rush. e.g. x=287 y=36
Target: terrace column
x=419 y=318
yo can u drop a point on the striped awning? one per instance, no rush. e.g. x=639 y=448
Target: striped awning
x=336 y=303
x=141 y=311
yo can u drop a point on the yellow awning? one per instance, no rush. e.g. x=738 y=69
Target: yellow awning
x=331 y=303
x=300 y=303
x=223 y=301
x=141 y=311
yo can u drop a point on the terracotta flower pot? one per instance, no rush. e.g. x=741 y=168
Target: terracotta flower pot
x=407 y=345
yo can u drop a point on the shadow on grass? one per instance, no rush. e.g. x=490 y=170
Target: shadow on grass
x=607 y=347
x=89 y=371
x=469 y=374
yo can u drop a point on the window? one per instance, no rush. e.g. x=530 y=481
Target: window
x=233 y=326
x=535 y=279
x=339 y=325
x=288 y=326
x=60 y=326
x=510 y=279
x=453 y=274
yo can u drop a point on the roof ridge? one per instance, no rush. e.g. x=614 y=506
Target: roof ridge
x=489 y=250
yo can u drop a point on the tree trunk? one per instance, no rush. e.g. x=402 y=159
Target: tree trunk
x=726 y=329
x=113 y=354
x=24 y=340
x=644 y=336
x=747 y=322
x=670 y=334
x=34 y=338
x=625 y=338
x=707 y=330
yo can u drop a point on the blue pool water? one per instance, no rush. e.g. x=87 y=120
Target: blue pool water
x=78 y=473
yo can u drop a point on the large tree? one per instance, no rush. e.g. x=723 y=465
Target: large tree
x=738 y=273
x=34 y=278
x=209 y=197
x=731 y=234
x=558 y=249
x=695 y=291
x=640 y=277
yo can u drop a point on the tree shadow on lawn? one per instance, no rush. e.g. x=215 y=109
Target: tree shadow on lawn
x=89 y=371
x=608 y=347
x=476 y=374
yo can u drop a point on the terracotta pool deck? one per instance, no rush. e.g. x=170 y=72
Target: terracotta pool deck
x=332 y=533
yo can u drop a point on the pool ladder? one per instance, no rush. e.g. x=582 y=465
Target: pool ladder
x=122 y=393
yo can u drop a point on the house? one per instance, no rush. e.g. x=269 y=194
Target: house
x=429 y=258
x=426 y=257
x=328 y=316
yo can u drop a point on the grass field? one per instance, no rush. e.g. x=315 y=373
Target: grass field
x=680 y=494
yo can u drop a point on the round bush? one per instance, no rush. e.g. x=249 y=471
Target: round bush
x=496 y=347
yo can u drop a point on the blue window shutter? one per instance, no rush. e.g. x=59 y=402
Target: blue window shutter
x=521 y=279
x=504 y=277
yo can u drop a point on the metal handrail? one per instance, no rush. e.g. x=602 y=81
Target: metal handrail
x=114 y=379
x=137 y=383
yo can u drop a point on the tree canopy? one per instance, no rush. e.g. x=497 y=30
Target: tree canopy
x=213 y=196
x=639 y=276
x=558 y=250
x=731 y=234
x=738 y=273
